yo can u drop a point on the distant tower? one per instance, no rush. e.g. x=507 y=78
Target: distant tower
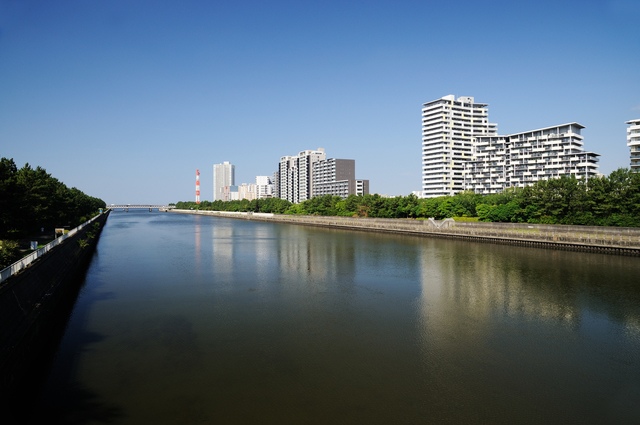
x=197 y=186
x=223 y=175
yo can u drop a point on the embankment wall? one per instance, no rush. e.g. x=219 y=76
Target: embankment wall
x=29 y=298
x=613 y=240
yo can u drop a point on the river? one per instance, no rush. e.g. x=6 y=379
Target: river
x=192 y=319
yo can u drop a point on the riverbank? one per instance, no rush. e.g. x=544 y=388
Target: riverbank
x=611 y=240
x=32 y=296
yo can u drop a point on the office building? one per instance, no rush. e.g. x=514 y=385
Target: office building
x=633 y=141
x=223 y=175
x=449 y=126
x=521 y=159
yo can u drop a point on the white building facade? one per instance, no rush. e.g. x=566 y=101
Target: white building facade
x=521 y=159
x=449 y=126
x=247 y=191
x=296 y=175
x=362 y=187
x=633 y=141
x=264 y=187
x=223 y=175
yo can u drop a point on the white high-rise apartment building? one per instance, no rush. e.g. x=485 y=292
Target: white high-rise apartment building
x=223 y=175
x=264 y=187
x=296 y=174
x=448 y=129
x=520 y=159
x=633 y=141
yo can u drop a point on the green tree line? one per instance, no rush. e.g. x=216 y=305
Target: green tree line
x=31 y=199
x=612 y=200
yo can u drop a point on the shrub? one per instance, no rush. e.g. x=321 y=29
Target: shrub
x=9 y=253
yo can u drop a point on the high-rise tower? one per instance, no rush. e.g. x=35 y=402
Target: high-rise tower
x=633 y=141
x=448 y=129
x=296 y=175
x=197 y=186
x=223 y=175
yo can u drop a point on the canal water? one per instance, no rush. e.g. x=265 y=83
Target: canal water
x=191 y=319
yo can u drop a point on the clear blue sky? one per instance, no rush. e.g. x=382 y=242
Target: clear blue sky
x=126 y=99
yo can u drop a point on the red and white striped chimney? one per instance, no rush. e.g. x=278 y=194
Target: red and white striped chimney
x=197 y=186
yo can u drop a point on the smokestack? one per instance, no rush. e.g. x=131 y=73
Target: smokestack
x=197 y=186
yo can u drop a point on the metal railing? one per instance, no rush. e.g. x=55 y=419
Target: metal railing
x=25 y=261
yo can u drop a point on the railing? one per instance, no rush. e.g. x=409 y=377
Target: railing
x=25 y=261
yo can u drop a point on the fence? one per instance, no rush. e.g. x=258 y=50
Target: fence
x=24 y=262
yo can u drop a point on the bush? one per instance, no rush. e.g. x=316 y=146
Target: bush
x=9 y=253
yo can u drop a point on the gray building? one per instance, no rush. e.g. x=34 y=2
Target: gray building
x=362 y=187
x=224 y=175
x=334 y=177
x=276 y=184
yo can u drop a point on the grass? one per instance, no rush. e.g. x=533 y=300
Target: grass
x=466 y=218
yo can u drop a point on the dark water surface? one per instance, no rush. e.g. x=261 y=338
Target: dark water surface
x=189 y=319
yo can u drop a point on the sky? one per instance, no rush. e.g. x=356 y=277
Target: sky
x=126 y=99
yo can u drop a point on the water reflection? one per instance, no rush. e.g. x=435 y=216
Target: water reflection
x=488 y=280
x=315 y=256
x=197 y=242
x=248 y=322
x=223 y=250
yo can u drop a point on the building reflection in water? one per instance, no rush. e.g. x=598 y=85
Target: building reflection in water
x=198 y=248
x=477 y=282
x=223 y=249
x=310 y=258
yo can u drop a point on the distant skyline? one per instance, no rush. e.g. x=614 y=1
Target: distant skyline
x=125 y=100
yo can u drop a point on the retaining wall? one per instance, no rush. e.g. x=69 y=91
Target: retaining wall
x=29 y=298
x=615 y=240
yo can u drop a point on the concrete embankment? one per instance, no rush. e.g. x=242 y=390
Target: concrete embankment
x=32 y=297
x=613 y=240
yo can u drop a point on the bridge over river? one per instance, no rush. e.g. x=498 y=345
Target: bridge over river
x=141 y=206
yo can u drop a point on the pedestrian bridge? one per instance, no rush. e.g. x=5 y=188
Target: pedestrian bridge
x=140 y=207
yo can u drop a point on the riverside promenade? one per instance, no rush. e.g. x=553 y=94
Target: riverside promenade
x=610 y=240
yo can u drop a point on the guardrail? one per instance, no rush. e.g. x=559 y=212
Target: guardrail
x=25 y=261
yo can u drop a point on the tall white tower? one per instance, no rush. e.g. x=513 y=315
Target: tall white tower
x=223 y=175
x=296 y=175
x=633 y=141
x=448 y=129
